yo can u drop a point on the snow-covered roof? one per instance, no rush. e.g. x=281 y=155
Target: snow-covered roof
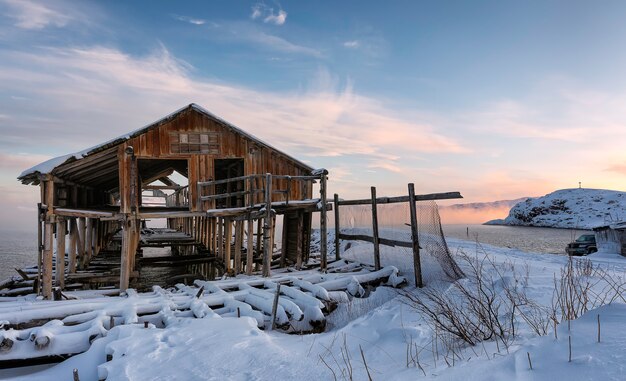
x=49 y=165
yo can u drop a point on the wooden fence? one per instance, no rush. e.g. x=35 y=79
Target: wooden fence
x=375 y=238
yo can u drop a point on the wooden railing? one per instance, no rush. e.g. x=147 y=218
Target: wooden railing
x=178 y=198
x=255 y=189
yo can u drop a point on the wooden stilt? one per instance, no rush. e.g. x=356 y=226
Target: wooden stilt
x=82 y=242
x=227 y=243
x=337 y=227
x=284 y=246
x=323 y=232
x=46 y=274
x=40 y=237
x=220 y=238
x=60 y=262
x=88 y=241
x=267 y=250
x=73 y=246
x=250 y=247
x=126 y=253
x=299 y=243
x=238 y=244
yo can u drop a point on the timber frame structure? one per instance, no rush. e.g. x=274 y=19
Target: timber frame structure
x=235 y=181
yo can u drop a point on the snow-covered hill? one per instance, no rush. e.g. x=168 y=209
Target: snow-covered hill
x=577 y=208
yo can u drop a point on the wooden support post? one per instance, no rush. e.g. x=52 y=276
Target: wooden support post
x=323 y=230
x=299 y=241
x=220 y=237
x=375 y=231
x=40 y=219
x=250 y=246
x=88 y=241
x=267 y=250
x=337 y=227
x=259 y=233
x=82 y=242
x=238 y=244
x=285 y=241
x=46 y=274
x=417 y=266
x=60 y=265
x=227 y=243
x=275 y=306
x=73 y=246
x=127 y=236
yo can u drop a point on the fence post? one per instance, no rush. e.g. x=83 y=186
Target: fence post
x=337 y=228
x=375 y=231
x=323 y=232
x=267 y=250
x=417 y=266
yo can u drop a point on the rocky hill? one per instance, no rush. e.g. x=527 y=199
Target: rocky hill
x=568 y=208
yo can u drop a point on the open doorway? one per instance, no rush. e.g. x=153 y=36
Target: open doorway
x=228 y=169
x=164 y=183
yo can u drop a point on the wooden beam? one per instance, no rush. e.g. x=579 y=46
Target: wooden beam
x=417 y=265
x=267 y=250
x=375 y=230
x=60 y=263
x=337 y=227
x=392 y=200
x=73 y=246
x=227 y=242
x=323 y=231
x=48 y=242
x=250 y=246
x=238 y=244
x=381 y=240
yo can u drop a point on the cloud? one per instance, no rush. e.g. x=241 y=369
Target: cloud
x=245 y=32
x=189 y=20
x=35 y=15
x=280 y=44
x=9 y=161
x=352 y=44
x=262 y=11
x=617 y=168
x=93 y=94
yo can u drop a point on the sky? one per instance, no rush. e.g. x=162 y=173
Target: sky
x=495 y=99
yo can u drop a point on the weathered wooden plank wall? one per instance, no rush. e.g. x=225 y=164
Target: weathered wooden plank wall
x=258 y=159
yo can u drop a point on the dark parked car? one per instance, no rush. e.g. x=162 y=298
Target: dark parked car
x=585 y=244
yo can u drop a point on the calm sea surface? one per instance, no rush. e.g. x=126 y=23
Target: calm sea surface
x=537 y=240
x=19 y=248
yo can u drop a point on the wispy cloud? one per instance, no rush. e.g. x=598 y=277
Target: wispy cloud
x=353 y=44
x=280 y=44
x=103 y=87
x=248 y=33
x=619 y=168
x=35 y=15
x=262 y=11
x=190 y=20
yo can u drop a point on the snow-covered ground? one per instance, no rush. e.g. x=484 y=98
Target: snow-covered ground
x=383 y=331
x=578 y=208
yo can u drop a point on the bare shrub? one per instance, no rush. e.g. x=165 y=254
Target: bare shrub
x=582 y=287
x=486 y=305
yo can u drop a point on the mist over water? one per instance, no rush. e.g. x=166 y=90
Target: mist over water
x=530 y=239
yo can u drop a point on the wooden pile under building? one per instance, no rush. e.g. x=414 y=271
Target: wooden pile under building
x=218 y=188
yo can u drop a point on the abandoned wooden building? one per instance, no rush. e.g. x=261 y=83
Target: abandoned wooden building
x=96 y=202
